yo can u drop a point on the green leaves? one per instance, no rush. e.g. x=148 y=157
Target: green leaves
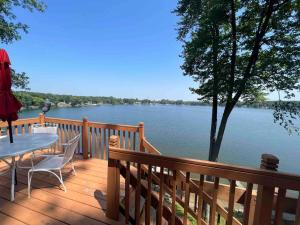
x=20 y=80
x=10 y=28
x=239 y=49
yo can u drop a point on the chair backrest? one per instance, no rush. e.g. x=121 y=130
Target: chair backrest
x=40 y=129
x=70 y=149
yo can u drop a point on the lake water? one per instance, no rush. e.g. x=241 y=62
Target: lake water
x=184 y=131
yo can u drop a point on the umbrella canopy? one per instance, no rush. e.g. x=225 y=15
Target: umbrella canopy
x=9 y=105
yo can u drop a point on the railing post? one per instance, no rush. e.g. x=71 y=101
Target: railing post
x=113 y=183
x=42 y=119
x=142 y=136
x=265 y=195
x=85 y=140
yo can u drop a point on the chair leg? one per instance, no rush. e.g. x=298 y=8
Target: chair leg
x=30 y=174
x=73 y=168
x=62 y=182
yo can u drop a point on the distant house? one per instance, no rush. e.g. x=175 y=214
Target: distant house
x=63 y=105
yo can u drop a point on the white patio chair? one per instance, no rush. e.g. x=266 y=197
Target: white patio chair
x=4 y=170
x=55 y=163
x=44 y=129
x=39 y=129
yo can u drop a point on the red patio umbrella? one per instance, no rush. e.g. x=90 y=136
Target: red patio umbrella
x=9 y=105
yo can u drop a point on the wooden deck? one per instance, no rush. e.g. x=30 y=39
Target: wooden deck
x=83 y=203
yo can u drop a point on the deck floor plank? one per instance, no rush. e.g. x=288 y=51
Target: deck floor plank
x=83 y=203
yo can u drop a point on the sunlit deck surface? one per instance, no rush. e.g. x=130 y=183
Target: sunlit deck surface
x=83 y=203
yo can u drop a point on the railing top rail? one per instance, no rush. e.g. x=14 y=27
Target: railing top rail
x=131 y=128
x=63 y=121
x=231 y=172
x=150 y=147
x=20 y=122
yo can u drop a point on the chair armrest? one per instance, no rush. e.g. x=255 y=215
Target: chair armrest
x=46 y=155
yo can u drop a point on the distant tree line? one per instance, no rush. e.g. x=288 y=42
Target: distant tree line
x=36 y=100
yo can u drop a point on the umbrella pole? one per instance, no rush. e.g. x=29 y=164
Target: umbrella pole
x=12 y=141
x=10 y=132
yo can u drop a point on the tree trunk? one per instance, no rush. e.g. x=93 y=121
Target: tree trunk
x=214 y=154
x=213 y=128
x=214 y=114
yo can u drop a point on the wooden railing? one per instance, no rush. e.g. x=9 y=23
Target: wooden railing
x=94 y=135
x=181 y=182
x=156 y=182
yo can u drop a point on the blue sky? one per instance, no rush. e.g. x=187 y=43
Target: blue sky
x=103 y=48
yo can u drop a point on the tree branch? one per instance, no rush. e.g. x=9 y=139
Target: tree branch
x=262 y=29
x=234 y=49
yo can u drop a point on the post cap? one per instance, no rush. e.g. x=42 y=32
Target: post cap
x=269 y=162
x=270 y=158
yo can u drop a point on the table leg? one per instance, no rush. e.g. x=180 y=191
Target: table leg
x=13 y=170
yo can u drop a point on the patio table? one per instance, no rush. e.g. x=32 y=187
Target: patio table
x=23 y=144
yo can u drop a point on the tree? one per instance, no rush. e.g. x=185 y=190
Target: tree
x=238 y=49
x=10 y=29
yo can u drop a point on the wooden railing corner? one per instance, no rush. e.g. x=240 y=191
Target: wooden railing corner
x=113 y=182
x=142 y=136
x=113 y=189
x=265 y=195
x=42 y=119
x=85 y=136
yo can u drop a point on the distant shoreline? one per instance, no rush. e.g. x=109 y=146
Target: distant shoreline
x=23 y=109
x=35 y=100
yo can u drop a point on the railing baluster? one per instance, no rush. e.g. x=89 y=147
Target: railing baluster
x=100 y=143
x=96 y=144
x=195 y=202
x=63 y=133
x=138 y=195
x=247 y=203
x=174 y=177
x=29 y=128
x=148 y=200
x=16 y=130
x=23 y=129
x=279 y=206
x=231 y=202
x=297 y=218
x=70 y=131
x=200 y=200
x=161 y=197
x=127 y=192
x=91 y=143
x=123 y=139
x=186 y=197
x=134 y=141
x=79 y=129
x=104 y=143
x=212 y=216
x=129 y=141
